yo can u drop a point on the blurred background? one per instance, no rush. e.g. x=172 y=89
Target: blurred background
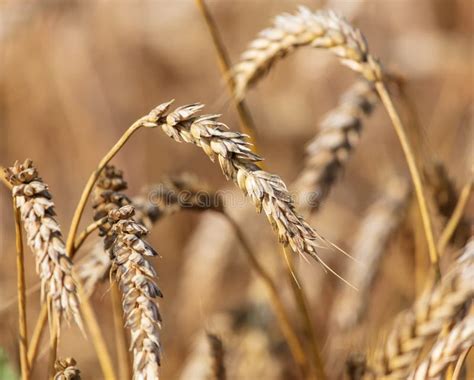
x=74 y=75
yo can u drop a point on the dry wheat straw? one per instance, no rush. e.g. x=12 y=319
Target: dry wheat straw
x=435 y=309
x=323 y=29
x=446 y=351
x=136 y=279
x=66 y=370
x=371 y=241
x=44 y=237
x=328 y=152
x=179 y=192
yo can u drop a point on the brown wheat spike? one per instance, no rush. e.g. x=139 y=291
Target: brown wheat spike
x=66 y=370
x=137 y=282
x=217 y=353
x=446 y=351
x=107 y=196
x=376 y=229
x=34 y=201
x=267 y=191
x=174 y=193
x=328 y=152
x=434 y=310
x=321 y=29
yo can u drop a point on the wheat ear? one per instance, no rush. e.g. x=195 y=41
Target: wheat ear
x=217 y=354
x=446 y=351
x=325 y=29
x=327 y=154
x=66 y=370
x=136 y=279
x=180 y=192
x=33 y=200
x=434 y=310
x=267 y=191
x=379 y=224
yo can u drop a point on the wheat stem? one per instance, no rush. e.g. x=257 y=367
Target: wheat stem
x=53 y=347
x=20 y=265
x=302 y=303
x=36 y=337
x=87 y=231
x=95 y=332
x=460 y=364
x=123 y=358
x=91 y=181
x=283 y=318
x=414 y=172
x=455 y=217
x=246 y=122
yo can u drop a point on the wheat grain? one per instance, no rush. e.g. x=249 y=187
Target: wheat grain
x=43 y=233
x=137 y=282
x=381 y=221
x=322 y=29
x=66 y=370
x=328 y=152
x=435 y=309
x=446 y=351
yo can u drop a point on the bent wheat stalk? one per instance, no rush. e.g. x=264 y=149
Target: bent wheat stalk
x=446 y=351
x=435 y=309
x=325 y=29
x=136 y=279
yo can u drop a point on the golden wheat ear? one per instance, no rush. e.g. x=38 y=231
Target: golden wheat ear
x=44 y=237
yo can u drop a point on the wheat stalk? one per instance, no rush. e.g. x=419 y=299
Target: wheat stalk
x=373 y=235
x=435 y=309
x=446 y=351
x=66 y=370
x=136 y=279
x=328 y=152
x=33 y=200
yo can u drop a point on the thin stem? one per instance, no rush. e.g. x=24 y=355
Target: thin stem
x=414 y=172
x=53 y=346
x=459 y=364
x=303 y=307
x=36 y=337
x=91 y=181
x=123 y=356
x=85 y=234
x=96 y=334
x=246 y=123
x=22 y=326
x=455 y=218
x=291 y=337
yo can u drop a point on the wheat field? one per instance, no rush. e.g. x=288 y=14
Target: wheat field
x=212 y=190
